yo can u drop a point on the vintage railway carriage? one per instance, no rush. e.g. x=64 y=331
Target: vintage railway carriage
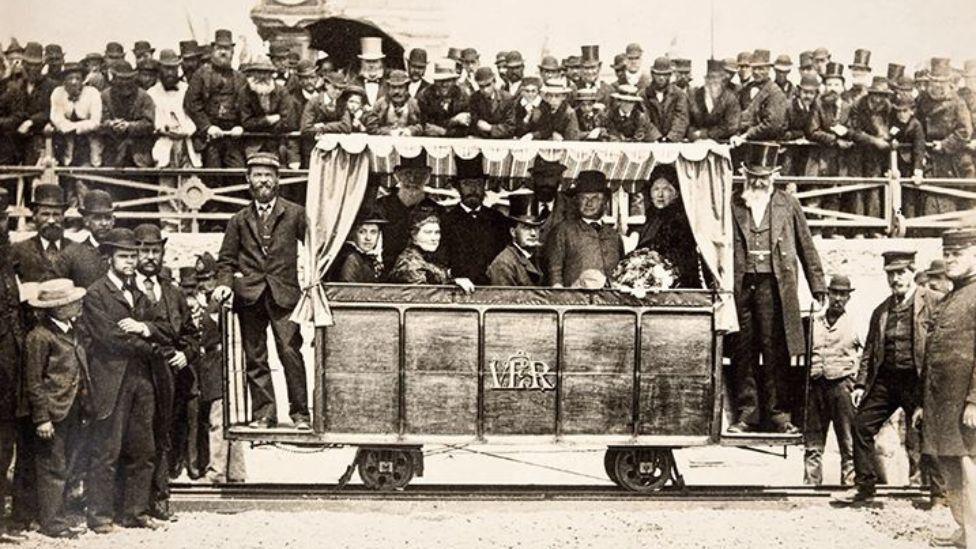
x=397 y=367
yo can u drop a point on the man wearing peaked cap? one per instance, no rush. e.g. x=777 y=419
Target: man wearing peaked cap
x=764 y=112
x=665 y=103
x=720 y=120
x=261 y=242
x=492 y=109
x=584 y=242
x=396 y=113
x=891 y=367
x=516 y=265
x=84 y=262
x=948 y=414
x=416 y=68
x=770 y=235
x=444 y=105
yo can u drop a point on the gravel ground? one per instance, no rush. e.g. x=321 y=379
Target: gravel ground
x=539 y=524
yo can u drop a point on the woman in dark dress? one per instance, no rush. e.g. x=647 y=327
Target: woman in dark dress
x=667 y=230
x=360 y=260
x=418 y=263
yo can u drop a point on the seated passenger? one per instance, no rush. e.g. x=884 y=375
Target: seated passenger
x=360 y=260
x=667 y=230
x=418 y=264
x=516 y=264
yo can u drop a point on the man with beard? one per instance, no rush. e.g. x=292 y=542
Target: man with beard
x=860 y=76
x=148 y=73
x=829 y=127
x=76 y=114
x=142 y=50
x=261 y=243
x=410 y=176
x=12 y=333
x=173 y=147
x=558 y=117
x=949 y=127
x=492 y=109
x=443 y=106
x=626 y=121
x=396 y=113
x=835 y=357
x=40 y=258
x=782 y=67
x=770 y=235
x=371 y=69
x=128 y=121
x=870 y=129
x=583 y=242
x=514 y=72
x=590 y=73
x=666 y=104
x=266 y=107
x=682 y=73
x=36 y=105
x=574 y=70
x=798 y=117
x=764 y=117
x=473 y=234
x=743 y=64
x=713 y=109
x=890 y=374
x=211 y=100
x=84 y=263
x=171 y=377
x=516 y=264
x=189 y=58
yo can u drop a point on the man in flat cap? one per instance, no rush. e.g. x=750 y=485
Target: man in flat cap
x=948 y=413
x=665 y=103
x=713 y=109
x=743 y=65
x=261 y=243
x=492 y=109
x=76 y=114
x=267 y=108
x=396 y=113
x=764 y=117
x=128 y=121
x=770 y=236
x=416 y=68
x=211 y=100
x=517 y=264
x=890 y=374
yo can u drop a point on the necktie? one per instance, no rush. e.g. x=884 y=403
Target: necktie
x=129 y=291
x=596 y=226
x=51 y=253
x=150 y=289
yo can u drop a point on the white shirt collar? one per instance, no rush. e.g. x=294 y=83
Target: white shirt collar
x=260 y=207
x=116 y=280
x=468 y=210
x=632 y=77
x=45 y=243
x=523 y=251
x=64 y=326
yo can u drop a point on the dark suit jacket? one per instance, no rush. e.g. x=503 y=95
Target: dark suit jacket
x=472 y=241
x=437 y=113
x=924 y=306
x=498 y=111
x=110 y=350
x=31 y=265
x=85 y=264
x=719 y=124
x=208 y=365
x=134 y=146
x=670 y=115
x=765 y=117
x=276 y=270
x=791 y=241
x=576 y=247
x=512 y=268
x=56 y=370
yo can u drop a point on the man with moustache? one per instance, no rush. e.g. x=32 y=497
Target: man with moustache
x=764 y=116
x=396 y=113
x=76 y=114
x=444 y=106
x=514 y=72
x=148 y=73
x=829 y=127
x=189 y=58
x=666 y=104
x=128 y=121
x=211 y=100
x=267 y=108
x=782 y=67
x=770 y=235
x=871 y=131
x=517 y=265
x=84 y=262
x=472 y=233
x=416 y=67
x=713 y=109
x=682 y=73
x=492 y=109
x=798 y=117
x=40 y=258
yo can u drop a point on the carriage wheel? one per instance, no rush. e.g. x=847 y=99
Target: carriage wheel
x=609 y=460
x=386 y=469
x=643 y=469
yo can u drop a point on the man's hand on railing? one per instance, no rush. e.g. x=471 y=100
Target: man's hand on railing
x=222 y=293
x=273 y=119
x=25 y=127
x=736 y=140
x=844 y=144
x=465 y=284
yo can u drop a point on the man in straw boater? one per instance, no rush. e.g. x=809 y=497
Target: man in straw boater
x=770 y=234
x=948 y=413
x=258 y=266
x=517 y=264
x=891 y=370
x=58 y=386
x=626 y=120
x=558 y=116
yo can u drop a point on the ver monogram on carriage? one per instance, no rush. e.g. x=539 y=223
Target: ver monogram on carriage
x=400 y=366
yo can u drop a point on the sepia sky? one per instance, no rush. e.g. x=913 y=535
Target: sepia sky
x=906 y=31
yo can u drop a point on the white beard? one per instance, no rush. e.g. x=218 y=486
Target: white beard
x=757 y=199
x=261 y=87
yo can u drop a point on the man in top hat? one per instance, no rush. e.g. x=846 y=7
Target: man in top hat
x=147 y=73
x=516 y=265
x=590 y=73
x=626 y=120
x=890 y=373
x=821 y=56
x=416 y=67
x=84 y=262
x=770 y=235
x=142 y=50
x=782 y=67
x=35 y=103
x=492 y=109
x=371 y=68
x=189 y=58
x=681 y=76
x=211 y=100
x=12 y=349
x=444 y=106
x=860 y=75
x=472 y=233
x=261 y=243
x=835 y=356
x=665 y=103
x=829 y=127
x=122 y=340
x=172 y=378
x=870 y=129
x=948 y=128
x=558 y=117
x=76 y=114
x=633 y=59
x=128 y=121
x=764 y=117
x=584 y=242
x=514 y=72
x=948 y=414
x=53 y=61
x=713 y=109
x=396 y=113
x=410 y=177
x=57 y=385
x=550 y=204
x=895 y=72
x=267 y=108
x=40 y=258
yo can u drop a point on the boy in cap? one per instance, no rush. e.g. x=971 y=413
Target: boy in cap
x=58 y=384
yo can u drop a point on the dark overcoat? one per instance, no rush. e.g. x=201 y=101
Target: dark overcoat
x=512 y=268
x=723 y=120
x=472 y=240
x=12 y=332
x=32 y=265
x=56 y=371
x=670 y=116
x=84 y=262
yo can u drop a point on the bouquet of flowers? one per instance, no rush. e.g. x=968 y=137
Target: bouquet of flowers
x=643 y=269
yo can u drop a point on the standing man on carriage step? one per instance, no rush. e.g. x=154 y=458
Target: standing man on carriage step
x=890 y=374
x=770 y=234
x=258 y=266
